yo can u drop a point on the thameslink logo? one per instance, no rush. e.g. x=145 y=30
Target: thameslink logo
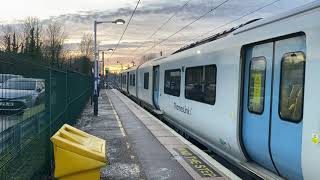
x=184 y=109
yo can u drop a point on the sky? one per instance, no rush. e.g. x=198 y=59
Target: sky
x=78 y=17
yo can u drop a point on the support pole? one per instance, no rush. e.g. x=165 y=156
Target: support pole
x=103 y=69
x=95 y=92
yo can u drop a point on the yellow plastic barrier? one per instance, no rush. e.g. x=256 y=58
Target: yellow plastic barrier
x=77 y=155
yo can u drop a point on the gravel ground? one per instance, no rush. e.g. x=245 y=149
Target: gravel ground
x=123 y=162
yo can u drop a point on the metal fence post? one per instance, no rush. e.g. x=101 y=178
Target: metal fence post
x=66 y=103
x=95 y=95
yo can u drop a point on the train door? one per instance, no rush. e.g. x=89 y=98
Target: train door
x=137 y=81
x=156 y=89
x=127 y=82
x=121 y=80
x=272 y=106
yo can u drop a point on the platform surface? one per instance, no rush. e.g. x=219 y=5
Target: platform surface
x=139 y=146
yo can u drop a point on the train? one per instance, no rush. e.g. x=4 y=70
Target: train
x=250 y=93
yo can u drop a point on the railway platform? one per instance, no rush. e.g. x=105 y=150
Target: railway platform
x=139 y=146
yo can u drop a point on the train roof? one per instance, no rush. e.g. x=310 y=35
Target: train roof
x=281 y=16
x=255 y=23
x=214 y=37
x=130 y=69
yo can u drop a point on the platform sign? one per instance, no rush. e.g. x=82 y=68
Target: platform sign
x=202 y=168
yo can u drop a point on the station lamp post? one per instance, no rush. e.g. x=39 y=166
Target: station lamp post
x=96 y=63
x=102 y=59
x=103 y=68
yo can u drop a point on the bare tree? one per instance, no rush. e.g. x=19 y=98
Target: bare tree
x=86 y=45
x=6 y=37
x=54 y=40
x=10 y=38
x=32 y=36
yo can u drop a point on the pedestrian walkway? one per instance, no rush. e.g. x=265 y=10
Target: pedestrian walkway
x=139 y=146
x=122 y=159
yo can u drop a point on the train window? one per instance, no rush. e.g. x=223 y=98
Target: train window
x=124 y=79
x=292 y=86
x=130 y=79
x=201 y=84
x=172 y=80
x=257 y=79
x=146 y=81
x=133 y=80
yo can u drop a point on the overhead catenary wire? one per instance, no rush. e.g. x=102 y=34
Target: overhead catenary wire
x=184 y=27
x=133 y=12
x=165 y=23
x=232 y=21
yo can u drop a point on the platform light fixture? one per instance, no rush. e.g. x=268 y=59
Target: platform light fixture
x=119 y=21
x=96 y=63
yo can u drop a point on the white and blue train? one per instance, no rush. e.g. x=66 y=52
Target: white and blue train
x=251 y=93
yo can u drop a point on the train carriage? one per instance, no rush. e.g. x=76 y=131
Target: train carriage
x=249 y=94
x=132 y=87
x=124 y=81
x=148 y=84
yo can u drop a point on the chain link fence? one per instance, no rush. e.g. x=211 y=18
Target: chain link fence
x=35 y=101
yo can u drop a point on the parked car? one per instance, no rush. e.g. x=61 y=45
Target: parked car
x=18 y=94
x=5 y=77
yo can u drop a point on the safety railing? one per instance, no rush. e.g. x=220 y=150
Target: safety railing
x=35 y=101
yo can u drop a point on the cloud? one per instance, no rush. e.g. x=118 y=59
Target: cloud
x=150 y=15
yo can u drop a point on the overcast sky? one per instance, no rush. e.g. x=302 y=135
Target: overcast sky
x=78 y=15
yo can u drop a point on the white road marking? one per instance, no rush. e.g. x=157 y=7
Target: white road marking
x=117 y=117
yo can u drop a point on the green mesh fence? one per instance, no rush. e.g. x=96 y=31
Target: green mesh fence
x=35 y=101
